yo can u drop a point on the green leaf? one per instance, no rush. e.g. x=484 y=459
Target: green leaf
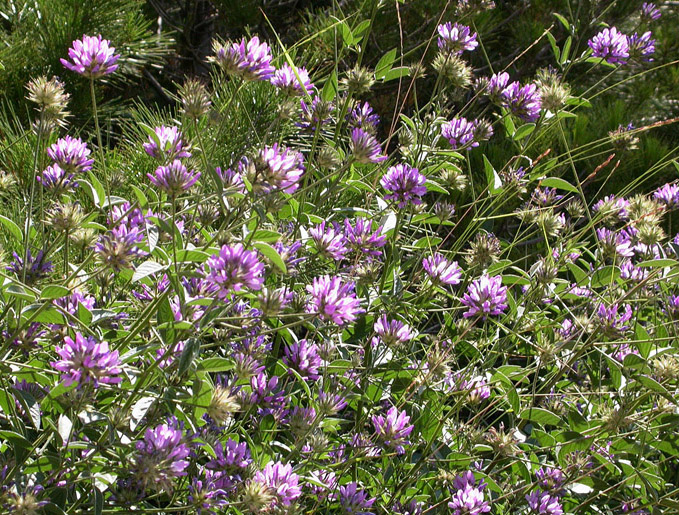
x=523 y=131
x=330 y=88
x=272 y=255
x=141 y=198
x=145 y=269
x=99 y=188
x=47 y=315
x=556 y=182
x=563 y=21
x=541 y=416
x=494 y=181
x=192 y=256
x=13 y=228
x=555 y=48
x=658 y=263
x=215 y=365
x=385 y=63
x=578 y=102
x=266 y=235
x=427 y=242
x=15 y=439
x=566 y=50
x=189 y=354
x=605 y=276
x=20 y=292
x=397 y=73
x=53 y=291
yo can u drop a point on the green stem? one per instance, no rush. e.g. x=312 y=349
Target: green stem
x=99 y=144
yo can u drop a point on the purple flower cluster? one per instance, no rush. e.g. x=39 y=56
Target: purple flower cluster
x=544 y=503
x=304 y=358
x=278 y=169
x=365 y=148
x=393 y=429
x=288 y=80
x=161 y=457
x=234 y=268
x=168 y=145
x=354 y=501
x=441 y=271
x=334 y=300
x=35 y=267
x=405 y=185
x=282 y=481
x=86 y=361
x=456 y=38
x=174 y=178
x=92 y=56
x=522 y=101
x=391 y=332
x=468 y=498
x=249 y=60
x=617 y=48
x=485 y=296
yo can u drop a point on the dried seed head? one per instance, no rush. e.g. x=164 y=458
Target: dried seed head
x=51 y=99
x=454 y=69
x=195 y=98
x=358 y=80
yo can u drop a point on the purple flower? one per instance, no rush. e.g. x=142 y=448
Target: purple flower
x=611 y=322
x=454 y=39
x=612 y=205
x=523 y=101
x=442 y=271
x=328 y=479
x=672 y=307
x=174 y=178
x=331 y=402
x=209 y=492
x=278 y=169
x=35 y=268
x=250 y=60
x=391 y=332
x=91 y=57
x=362 y=238
x=543 y=502
x=405 y=184
x=315 y=114
x=615 y=243
x=283 y=482
x=233 y=268
x=333 y=300
x=118 y=248
x=232 y=457
x=363 y=117
x=469 y=498
x=496 y=85
x=161 y=456
x=551 y=479
x=287 y=81
x=485 y=296
x=650 y=11
x=303 y=357
x=365 y=148
x=71 y=154
x=354 y=501
x=288 y=254
x=611 y=45
x=668 y=195
x=393 y=429
x=84 y=360
x=329 y=241
x=460 y=132
x=55 y=179
x=172 y=145
x=633 y=273
x=477 y=388
x=233 y=179
x=641 y=47
x=268 y=395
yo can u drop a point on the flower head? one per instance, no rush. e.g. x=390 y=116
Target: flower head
x=250 y=60
x=354 y=501
x=282 y=481
x=161 y=456
x=641 y=47
x=71 y=154
x=333 y=300
x=456 y=38
x=118 y=248
x=84 y=360
x=278 y=169
x=168 y=144
x=362 y=238
x=469 y=497
x=329 y=240
x=544 y=503
x=35 y=268
x=650 y=11
x=289 y=82
x=392 y=332
x=91 y=57
x=405 y=184
x=363 y=117
x=523 y=101
x=174 y=178
x=442 y=271
x=233 y=268
x=611 y=45
x=460 y=133
x=365 y=148
x=55 y=179
x=304 y=358
x=393 y=429
x=485 y=296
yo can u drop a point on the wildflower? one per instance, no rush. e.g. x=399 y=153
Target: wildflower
x=641 y=47
x=668 y=195
x=362 y=238
x=56 y=180
x=522 y=101
x=551 y=479
x=224 y=402
x=329 y=241
x=118 y=248
x=611 y=45
x=282 y=481
x=33 y=269
x=161 y=456
x=358 y=80
x=51 y=99
x=174 y=178
x=331 y=403
x=278 y=169
x=485 y=296
x=272 y=302
x=268 y=395
x=232 y=457
x=459 y=132
x=365 y=148
x=363 y=117
x=456 y=38
x=195 y=98
x=354 y=501
x=611 y=207
x=65 y=217
x=84 y=360
x=286 y=79
x=393 y=429
x=208 y=492
x=544 y=503
x=233 y=268
x=405 y=184
x=484 y=250
x=324 y=484
x=442 y=271
x=454 y=69
x=615 y=243
x=649 y=11
x=168 y=144
x=250 y=60
x=495 y=86
x=304 y=358
x=71 y=154
x=25 y=503
x=333 y=300
x=315 y=114
x=612 y=322
x=233 y=179
x=391 y=332
x=468 y=498
x=91 y=57
x=477 y=388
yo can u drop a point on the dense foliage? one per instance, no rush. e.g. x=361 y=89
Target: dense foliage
x=355 y=257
